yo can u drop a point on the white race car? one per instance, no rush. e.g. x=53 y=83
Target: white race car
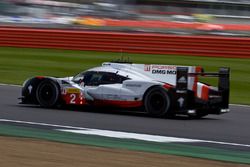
x=156 y=89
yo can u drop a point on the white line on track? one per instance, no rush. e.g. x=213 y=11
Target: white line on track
x=1 y=84
x=127 y=135
x=124 y=135
x=240 y=105
x=237 y=105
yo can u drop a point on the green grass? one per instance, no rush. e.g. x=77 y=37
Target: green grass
x=17 y=64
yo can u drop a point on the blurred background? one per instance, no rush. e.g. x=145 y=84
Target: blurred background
x=217 y=17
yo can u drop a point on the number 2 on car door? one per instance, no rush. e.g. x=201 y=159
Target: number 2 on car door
x=72 y=98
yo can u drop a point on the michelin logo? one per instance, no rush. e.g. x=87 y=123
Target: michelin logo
x=133 y=85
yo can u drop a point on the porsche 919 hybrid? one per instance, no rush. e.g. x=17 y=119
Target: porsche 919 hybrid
x=158 y=90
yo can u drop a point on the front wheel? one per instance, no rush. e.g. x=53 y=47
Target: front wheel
x=48 y=93
x=157 y=101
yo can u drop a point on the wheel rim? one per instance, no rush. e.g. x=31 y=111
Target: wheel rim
x=157 y=102
x=46 y=92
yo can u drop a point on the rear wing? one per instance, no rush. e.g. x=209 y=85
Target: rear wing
x=182 y=85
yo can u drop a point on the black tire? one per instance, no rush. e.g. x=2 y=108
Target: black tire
x=157 y=101
x=48 y=93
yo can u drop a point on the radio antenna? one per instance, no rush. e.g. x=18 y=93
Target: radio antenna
x=125 y=60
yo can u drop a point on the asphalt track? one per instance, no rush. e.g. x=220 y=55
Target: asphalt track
x=232 y=127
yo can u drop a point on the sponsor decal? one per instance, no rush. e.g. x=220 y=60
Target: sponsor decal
x=133 y=85
x=163 y=67
x=72 y=90
x=160 y=69
x=182 y=80
x=181 y=91
x=168 y=72
x=147 y=67
x=111 y=97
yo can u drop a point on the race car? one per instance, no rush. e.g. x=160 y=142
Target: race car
x=159 y=90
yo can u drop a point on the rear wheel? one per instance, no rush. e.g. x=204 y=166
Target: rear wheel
x=157 y=101
x=48 y=93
